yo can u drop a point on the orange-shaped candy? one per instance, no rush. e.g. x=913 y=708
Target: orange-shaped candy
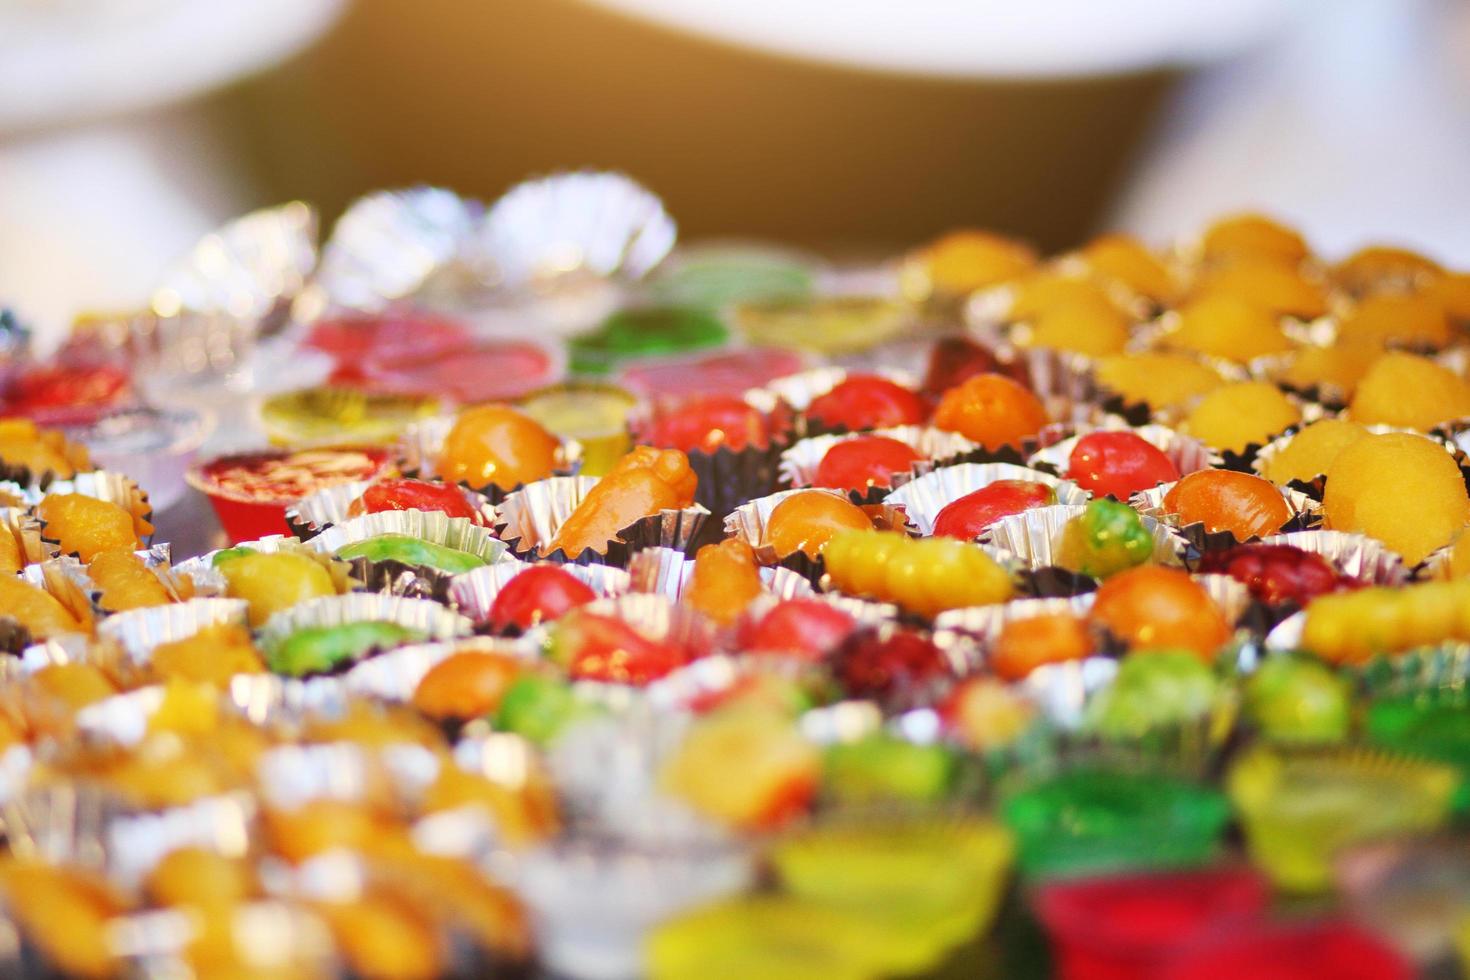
x=1155 y=606
x=726 y=580
x=495 y=444
x=466 y=685
x=992 y=410
x=1223 y=500
x=806 y=521
x=639 y=485
x=1025 y=644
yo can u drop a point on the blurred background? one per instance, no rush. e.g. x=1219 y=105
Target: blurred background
x=129 y=128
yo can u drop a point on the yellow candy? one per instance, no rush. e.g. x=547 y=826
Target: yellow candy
x=1311 y=450
x=1377 y=267
x=1266 y=284
x=962 y=262
x=1239 y=414
x=1410 y=392
x=211 y=656
x=1253 y=235
x=1394 y=317
x=272 y=582
x=1337 y=369
x=1158 y=379
x=88 y=526
x=1128 y=261
x=1351 y=627
x=1227 y=326
x=1092 y=327
x=925 y=575
x=37 y=610
x=1405 y=490
x=1452 y=292
x=1038 y=293
x=1459 y=563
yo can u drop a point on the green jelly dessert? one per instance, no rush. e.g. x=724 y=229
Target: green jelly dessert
x=1300 y=699
x=412 y=551
x=645 y=332
x=1106 y=538
x=1090 y=820
x=538 y=708
x=881 y=767
x=322 y=649
x=1154 y=690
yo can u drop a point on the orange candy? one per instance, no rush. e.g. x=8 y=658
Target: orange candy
x=495 y=444
x=1025 y=644
x=1155 y=606
x=992 y=410
x=466 y=685
x=806 y=521
x=639 y=485
x=1222 y=500
x=726 y=580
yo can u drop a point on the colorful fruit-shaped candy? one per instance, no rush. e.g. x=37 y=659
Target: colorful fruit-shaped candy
x=1311 y=451
x=497 y=445
x=867 y=461
x=884 y=768
x=1397 y=318
x=726 y=579
x=1154 y=689
x=37 y=610
x=540 y=594
x=1042 y=291
x=705 y=423
x=1237 y=415
x=1104 y=539
x=806 y=521
x=992 y=410
x=888 y=667
x=644 y=482
x=808 y=628
x=965 y=517
x=409 y=550
x=1255 y=236
x=272 y=582
x=1334 y=370
x=1277 y=573
x=867 y=401
x=1159 y=379
x=1118 y=464
x=1223 y=500
x=956 y=359
x=963 y=261
x=987 y=714
x=87 y=526
x=1299 y=699
x=1409 y=392
x=323 y=649
x=1154 y=606
x=466 y=685
x=406 y=494
x=596 y=647
x=925 y=576
x=1378 y=267
x=539 y=708
x=1350 y=627
x=1223 y=325
x=1025 y=644
x=1092 y=326
x=126 y=582
x=211 y=656
x=40 y=450
x=746 y=766
x=1126 y=260
x=1405 y=490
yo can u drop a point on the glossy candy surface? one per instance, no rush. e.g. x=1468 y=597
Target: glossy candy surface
x=705 y=423
x=925 y=575
x=1105 y=539
x=497 y=445
x=88 y=526
x=1118 y=464
x=1025 y=644
x=540 y=594
x=596 y=647
x=965 y=517
x=1154 y=606
x=1277 y=574
x=805 y=522
x=867 y=461
x=1223 y=500
x=641 y=484
x=992 y=410
x=406 y=494
x=805 y=627
x=867 y=401
x=1402 y=489
x=726 y=579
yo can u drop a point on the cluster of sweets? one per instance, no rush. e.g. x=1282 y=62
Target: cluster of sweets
x=784 y=638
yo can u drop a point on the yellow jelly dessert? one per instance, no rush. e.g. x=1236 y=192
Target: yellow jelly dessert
x=1091 y=326
x=272 y=582
x=1410 y=392
x=1237 y=415
x=1311 y=451
x=1405 y=490
x=1394 y=317
x=1267 y=284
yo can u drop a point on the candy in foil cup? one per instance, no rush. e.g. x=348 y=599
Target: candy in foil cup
x=923 y=498
x=28 y=532
x=799 y=463
x=139 y=631
x=271 y=938
x=402 y=578
x=316 y=512
x=986 y=623
x=1032 y=537
x=112 y=487
x=1186 y=453
x=728 y=478
x=531 y=516
x=62 y=822
x=749 y=521
x=1306 y=513
x=137 y=842
x=1229 y=594
x=395 y=675
x=668 y=573
x=121 y=719
x=795 y=392
x=75 y=453
x=421 y=444
x=474 y=592
x=864 y=612
x=1354 y=555
x=429 y=618
x=656 y=617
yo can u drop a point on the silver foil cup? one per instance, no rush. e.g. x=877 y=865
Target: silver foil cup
x=395 y=675
x=137 y=842
x=1188 y=454
x=1305 y=513
x=1287 y=634
x=656 y=617
x=473 y=593
x=1032 y=537
x=139 y=631
x=668 y=573
x=800 y=462
x=1355 y=555
x=272 y=937
x=316 y=512
x=1231 y=596
x=114 y=488
x=267 y=700
x=27 y=530
x=986 y=623
x=923 y=498
x=530 y=518
x=424 y=616
x=749 y=521
x=435 y=527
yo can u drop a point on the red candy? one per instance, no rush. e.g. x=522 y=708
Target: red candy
x=405 y=494
x=866 y=401
x=1278 y=573
x=956 y=359
x=807 y=627
x=354 y=338
x=707 y=423
x=887 y=668
x=1118 y=464
x=967 y=516
x=604 y=648
x=540 y=594
x=867 y=461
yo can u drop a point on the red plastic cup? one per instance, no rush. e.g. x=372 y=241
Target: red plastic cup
x=1315 y=951
x=250 y=509
x=1130 y=927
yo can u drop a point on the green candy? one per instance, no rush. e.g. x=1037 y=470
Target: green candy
x=1299 y=699
x=321 y=649
x=881 y=767
x=1106 y=538
x=538 y=708
x=646 y=332
x=1154 y=690
x=226 y=555
x=412 y=551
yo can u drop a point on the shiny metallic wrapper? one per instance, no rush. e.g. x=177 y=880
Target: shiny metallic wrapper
x=137 y=842
x=657 y=617
x=986 y=623
x=267 y=700
x=1032 y=537
x=138 y=631
x=395 y=675
x=473 y=593
x=1356 y=555
x=1064 y=690
x=61 y=822
x=425 y=616
x=435 y=527
x=1306 y=513
x=799 y=463
x=292 y=775
x=749 y=521
x=668 y=573
x=422 y=443
x=272 y=938
x=1287 y=634
x=1187 y=454
x=1230 y=594
x=922 y=499
x=531 y=516
x=121 y=719
x=28 y=532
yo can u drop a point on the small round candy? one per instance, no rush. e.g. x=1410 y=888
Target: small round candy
x=495 y=444
x=965 y=517
x=1223 y=500
x=867 y=401
x=1126 y=260
x=1154 y=606
x=1106 y=538
x=1299 y=699
x=1308 y=454
x=1395 y=318
x=1335 y=370
x=1405 y=490
x=1025 y=644
x=867 y=461
x=405 y=494
x=540 y=594
x=805 y=627
x=1237 y=415
x=1223 y=325
x=992 y=410
x=1118 y=464
x=806 y=521
x=466 y=685
x=1277 y=573
x=1084 y=326
x=1253 y=235
x=707 y=423
x=1157 y=378
x=1278 y=289
x=962 y=262
x=1411 y=392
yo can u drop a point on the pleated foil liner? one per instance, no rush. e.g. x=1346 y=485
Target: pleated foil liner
x=61 y=822
x=474 y=592
x=1032 y=537
x=923 y=498
x=395 y=675
x=394 y=577
x=1230 y=595
x=1287 y=634
x=666 y=572
x=274 y=938
x=985 y=623
x=728 y=478
x=425 y=616
x=532 y=515
x=313 y=514
x=121 y=719
x=139 y=631
x=1355 y=555
x=750 y=520
x=1306 y=513
x=27 y=530
x=1188 y=455
x=268 y=700
x=115 y=488
x=422 y=442
x=220 y=824
x=799 y=463
x=290 y=776
x=268 y=545
x=54 y=579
